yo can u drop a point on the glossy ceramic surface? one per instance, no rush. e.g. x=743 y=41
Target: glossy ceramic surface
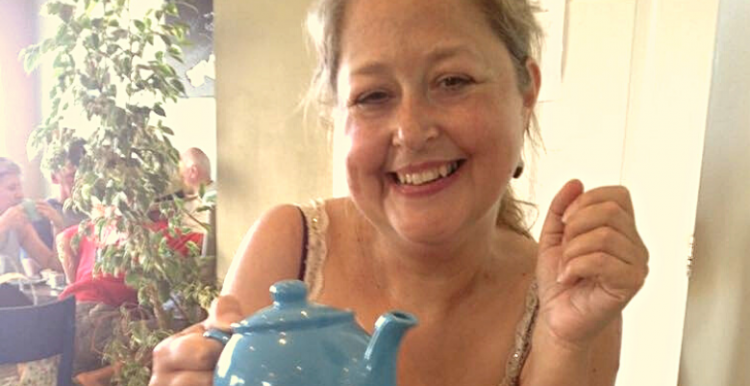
x=298 y=343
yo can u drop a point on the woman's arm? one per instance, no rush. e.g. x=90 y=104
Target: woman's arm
x=551 y=363
x=36 y=249
x=270 y=252
x=68 y=259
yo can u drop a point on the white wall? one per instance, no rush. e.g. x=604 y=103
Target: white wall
x=194 y=123
x=670 y=80
x=715 y=349
x=268 y=154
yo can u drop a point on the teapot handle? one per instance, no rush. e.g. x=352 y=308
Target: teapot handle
x=217 y=335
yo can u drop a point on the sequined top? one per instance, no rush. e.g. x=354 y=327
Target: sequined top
x=316 y=251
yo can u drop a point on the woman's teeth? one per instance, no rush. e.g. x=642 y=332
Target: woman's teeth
x=427 y=175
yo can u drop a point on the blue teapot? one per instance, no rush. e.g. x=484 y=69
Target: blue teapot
x=298 y=343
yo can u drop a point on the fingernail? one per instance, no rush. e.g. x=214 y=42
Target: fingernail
x=565 y=217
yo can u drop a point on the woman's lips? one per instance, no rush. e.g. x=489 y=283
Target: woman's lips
x=425 y=179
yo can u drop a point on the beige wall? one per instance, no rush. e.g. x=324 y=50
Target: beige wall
x=715 y=345
x=19 y=111
x=265 y=155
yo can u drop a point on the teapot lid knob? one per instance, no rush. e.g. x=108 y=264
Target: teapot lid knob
x=291 y=310
x=289 y=293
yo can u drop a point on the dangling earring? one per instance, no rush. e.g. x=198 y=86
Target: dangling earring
x=519 y=170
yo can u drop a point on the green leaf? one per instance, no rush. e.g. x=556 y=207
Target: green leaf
x=171 y=9
x=132 y=280
x=174 y=50
x=31 y=56
x=159 y=110
x=166 y=39
x=139 y=24
x=176 y=83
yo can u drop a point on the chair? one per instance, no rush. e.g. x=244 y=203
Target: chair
x=32 y=333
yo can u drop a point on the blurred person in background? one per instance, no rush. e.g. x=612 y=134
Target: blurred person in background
x=64 y=179
x=16 y=231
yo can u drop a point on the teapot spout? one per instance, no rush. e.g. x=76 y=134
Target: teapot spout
x=382 y=352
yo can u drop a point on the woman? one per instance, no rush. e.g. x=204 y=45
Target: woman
x=16 y=232
x=434 y=98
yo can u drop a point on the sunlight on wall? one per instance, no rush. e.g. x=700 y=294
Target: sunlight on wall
x=3 y=124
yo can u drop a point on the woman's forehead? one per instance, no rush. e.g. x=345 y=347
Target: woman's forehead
x=393 y=28
x=375 y=17
x=10 y=179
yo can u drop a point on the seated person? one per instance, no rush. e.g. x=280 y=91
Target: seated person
x=16 y=232
x=64 y=178
x=99 y=298
x=195 y=173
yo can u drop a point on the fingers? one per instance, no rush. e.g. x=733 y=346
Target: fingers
x=599 y=240
x=186 y=358
x=14 y=217
x=605 y=240
x=50 y=213
x=615 y=194
x=620 y=279
x=605 y=214
x=552 y=230
x=185 y=378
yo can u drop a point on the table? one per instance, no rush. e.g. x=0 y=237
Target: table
x=41 y=293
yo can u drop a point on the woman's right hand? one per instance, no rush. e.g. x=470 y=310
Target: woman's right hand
x=13 y=218
x=187 y=358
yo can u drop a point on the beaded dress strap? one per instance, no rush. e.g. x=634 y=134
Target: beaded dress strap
x=316 y=219
x=522 y=345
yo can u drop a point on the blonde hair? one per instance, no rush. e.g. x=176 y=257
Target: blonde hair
x=513 y=22
x=8 y=167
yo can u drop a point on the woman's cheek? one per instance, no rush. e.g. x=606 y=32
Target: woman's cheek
x=366 y=153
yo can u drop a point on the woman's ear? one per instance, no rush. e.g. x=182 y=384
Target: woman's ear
x=531 y=91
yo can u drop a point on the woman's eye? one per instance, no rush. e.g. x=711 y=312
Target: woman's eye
x=375 y=97
x=454 y=82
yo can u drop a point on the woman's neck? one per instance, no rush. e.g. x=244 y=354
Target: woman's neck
x=436 y=278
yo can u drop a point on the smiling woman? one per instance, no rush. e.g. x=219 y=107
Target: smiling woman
x=434 y=99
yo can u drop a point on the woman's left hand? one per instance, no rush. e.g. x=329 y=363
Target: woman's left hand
x=47 y=211
x=591 y=262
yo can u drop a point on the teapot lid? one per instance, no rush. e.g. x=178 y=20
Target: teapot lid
x=291 y=310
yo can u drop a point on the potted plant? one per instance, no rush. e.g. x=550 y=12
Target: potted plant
x=112 y=66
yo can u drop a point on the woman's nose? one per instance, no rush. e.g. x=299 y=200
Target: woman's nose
x=414 y=125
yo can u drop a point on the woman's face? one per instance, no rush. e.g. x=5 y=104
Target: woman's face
x=11 y=191
x=434 y=119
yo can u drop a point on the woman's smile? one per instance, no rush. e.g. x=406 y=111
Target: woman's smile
x=425 y=179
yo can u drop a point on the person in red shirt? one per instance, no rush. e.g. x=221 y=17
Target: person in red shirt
x=99 y=297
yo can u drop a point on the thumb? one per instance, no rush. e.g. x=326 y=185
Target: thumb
x=225 y=310
x=552 y=230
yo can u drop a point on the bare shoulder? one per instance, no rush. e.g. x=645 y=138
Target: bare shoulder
x=269 y=252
